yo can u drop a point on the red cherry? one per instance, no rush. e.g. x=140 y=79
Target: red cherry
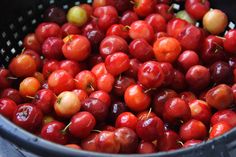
x=169 y=141
x=150 y=129
x=121 y=84
x=82 y=94
x=188 y=97
x=116 y=109
x=69 y=28
x=141 y=29
x=193 y=129
x=136 y=99
x=32 y=43
x=157 y=22
x=28 y=117
x=128 y=18
x=176 y=26
x=187 y=59
x=47 y=29
x=89 y=143
x=230 y=41
x=53 y=132
x=76 y=47
x=151 y=75
x=119 y=30
x=99 y=70
x=82 y=124
x=126 y=119
x=107 y=142
x=219 y=128
x=168 y=71
x=5 y=81
x=35 y=56
x=164 y=10
x=12 y=94
x=179 y=82
x=117 y=63
x=86 y=80
x=52 y=48
x=103 y=96
x=146 y=148
x=197 y=8
x=105 y=82
x=144 y=7
x=227 y=116
x=7 y=107
x=134 y=67
x=191 y=143
x=60 y=81
x=70 y=66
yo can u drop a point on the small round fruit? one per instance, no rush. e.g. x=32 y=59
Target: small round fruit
x=29 y=86
x=67 y=104
x=230 y=41
x=7 y=107
x=146 y=148
x=126 y=119
x=209 y=21
x=77 y=16
x=191 y=143
x=228 y=116
x=219 y=128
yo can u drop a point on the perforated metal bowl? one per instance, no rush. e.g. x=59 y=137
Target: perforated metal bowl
x=19 y=17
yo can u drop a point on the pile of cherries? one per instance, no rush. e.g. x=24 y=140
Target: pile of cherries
x=122 y=76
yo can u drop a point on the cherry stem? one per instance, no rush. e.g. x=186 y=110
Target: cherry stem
x=59 y=100
x=180 y=142
x=134 y=3
x=126 y=28
x=30 y=97
x=218 y=46
x=170 y=8
x=93 y=17
x=149 y=112
x=148 y=90
x=119 y=78
x=23 y=50
x=65 y=129
x=203 y=1
x=70 y=39
x=90 y=86
x=220 y=37
x=12 y=78
x=76 y=80
x=96 y=131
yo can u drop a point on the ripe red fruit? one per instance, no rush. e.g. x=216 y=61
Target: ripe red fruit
x=128 y=18
x=164 y=10
x=101 y=95
x=169 y=141
x=157 y=22
x=176 y=26
x=69 y=29
x=144 y=7
x=89 y=143
x=119 y=30
x=7 y=107
x=150 y=129
x=166 y=49
x=146 y=148
x=12 y=94
x=105 y=82
x=117 y=63
x=230 y=41
x=99 y=70
x=72 y=67
x=191 y=143
x=29 y=86
x=227 y=116
x=53 y=132
x=187 y=59
x=60 y=81
x=76 y=47
x=28 y=117
x=82 y=124
x=32 y=43
x=193 y=129
x=121 y=84
x=49 y=67
x=151 y=75
x=136 y=99
x=35 y=56
x=219 y=128
x=126 y=119
x=5 y=82
x=52 y=48
x=197 y=8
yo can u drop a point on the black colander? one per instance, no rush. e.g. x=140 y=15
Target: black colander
x=19 y=17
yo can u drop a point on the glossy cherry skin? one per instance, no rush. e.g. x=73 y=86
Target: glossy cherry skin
x=230 y=41
x=169 y=141
x=12 y=94
x=149 y=129
x=221 y=72
x=89 y=142
x=146 y=148
x=69 y=28
x=219 y=128
x=176 y=26
x=52 y=48
x=220 y=97
x=44 y=100
x=5 y=82
x=193 y=129
x=77 y=47
x=105 y=82
x=53 y=132
x=165 y=11
x=55 y=14
x=86 y=80
x=23 y=65
x=200 y=111
x=176 y=109
x=141 y=29
x=119 y=30
x=197 y=8
x=7 y=107
x=151 y=75
x=117 y=63
x=191 y=143
x=99 y=70
x=28 y=117
x=234 y=91
x=198 y=77
x=160 y=98
x=128 y=140
x=190 y=38
x=157 y=22
x=132 y=72
x=70 y=66
x=166 y=49
x=50 y=66
x=95 y=36
x=35 y=56
x=107 y=142
x=187 y=59
x=121 y=84
x=187 y=96
x=136 y=99
x=227 y=116
x=126 y=119
x=60 y=81
x=47 y=29
x=82 y=94
x=179 y=82
x=141 y=49
x=116 y=109
x=212 y=49
x=144 y=7
x=145 y=115
x=168 y=71
x=95 y=59
x=101 y=95
x=96 y=107
x=128 y=18
x=32 y=43
x=29 y=86
x=112 y=44
x=82 y=124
